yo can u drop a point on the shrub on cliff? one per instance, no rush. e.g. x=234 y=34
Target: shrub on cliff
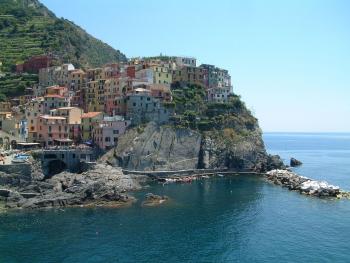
x=193 y=111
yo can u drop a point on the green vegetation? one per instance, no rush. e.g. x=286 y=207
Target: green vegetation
x=28 y=28
x=12 y=85
x=232 y=119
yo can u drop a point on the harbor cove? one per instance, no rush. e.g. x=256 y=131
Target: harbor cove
x=188 y=131
x=221 y=219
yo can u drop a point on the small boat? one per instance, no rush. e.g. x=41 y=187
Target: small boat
x=18 y=160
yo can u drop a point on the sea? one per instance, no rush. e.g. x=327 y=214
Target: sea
x=222 y=219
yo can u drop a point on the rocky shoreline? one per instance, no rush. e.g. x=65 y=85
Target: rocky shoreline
x=107 y=186
x=304 y=185
x=103 y=185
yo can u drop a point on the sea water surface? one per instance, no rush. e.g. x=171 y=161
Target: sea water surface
x=229 y=219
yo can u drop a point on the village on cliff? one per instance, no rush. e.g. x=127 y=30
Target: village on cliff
x=70 y=106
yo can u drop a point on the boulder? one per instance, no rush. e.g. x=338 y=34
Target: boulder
x=153 y=200
x=294 y=162
x=5 y=192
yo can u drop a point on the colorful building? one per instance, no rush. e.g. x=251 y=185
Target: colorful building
x=217 y=77
x=143 y=107
x=76 y=79
x=73 y=116
x=34 y=64
x=219 y=94
x=162 y=74
x=160 y=91
x=5 y=106
x=53 y=102
x=185 y=61
x=57 y=90
x=87 y=122
x=191 y=75
x=33 y=110
x=52 y=129
x=107 y=131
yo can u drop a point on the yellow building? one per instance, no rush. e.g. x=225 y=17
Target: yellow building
x=32 y=111
x=91 y=96
x=191 y=75
x=95 y=74
x=76 y=79
x=87 y=122
x=162 y=74
x=5 y=106
x=73 y=114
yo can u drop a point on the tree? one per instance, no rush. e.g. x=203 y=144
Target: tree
x=14 y=29
x=32 y=28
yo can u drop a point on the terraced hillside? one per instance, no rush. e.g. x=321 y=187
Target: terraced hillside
x=28 y=28
x=12 y=85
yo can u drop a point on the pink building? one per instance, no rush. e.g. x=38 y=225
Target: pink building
x=73 y=116
x=52 y=129
x=107 y=131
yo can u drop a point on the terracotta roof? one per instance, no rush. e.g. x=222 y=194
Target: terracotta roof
x=91 y=114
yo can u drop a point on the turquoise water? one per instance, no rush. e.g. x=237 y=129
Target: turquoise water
x=231 y=219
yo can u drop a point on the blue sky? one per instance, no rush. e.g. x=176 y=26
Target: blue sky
x=289 y=60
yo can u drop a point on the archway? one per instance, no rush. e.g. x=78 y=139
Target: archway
x=55 y=167
x=7 y=143
x=13 y=144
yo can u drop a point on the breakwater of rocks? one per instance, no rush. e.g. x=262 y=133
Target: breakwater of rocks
x=305 y=185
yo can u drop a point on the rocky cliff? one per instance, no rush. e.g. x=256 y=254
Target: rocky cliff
x=102 y=185
x=201 y=135
x=156 y=147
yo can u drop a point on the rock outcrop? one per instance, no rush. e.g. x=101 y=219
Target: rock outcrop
x=21 y=174
x=302 y=184
x=156 y=148
x=154 y=200
x=101 y=185
x=294 y=162
x=245 y=153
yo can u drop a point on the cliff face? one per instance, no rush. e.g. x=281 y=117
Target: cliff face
x=168 y=148
x=157 y=148
x=201 y=135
